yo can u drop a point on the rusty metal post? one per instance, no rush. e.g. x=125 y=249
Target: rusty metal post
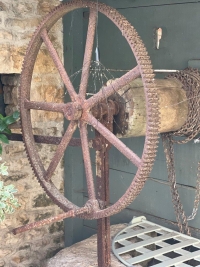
x=102 y=177
x=103 y=225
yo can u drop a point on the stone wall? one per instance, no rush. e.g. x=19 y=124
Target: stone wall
x=10 y=84
x=18 y=21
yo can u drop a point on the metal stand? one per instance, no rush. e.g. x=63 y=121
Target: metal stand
x=103 y=225
x=102 y=176
x=102 y=147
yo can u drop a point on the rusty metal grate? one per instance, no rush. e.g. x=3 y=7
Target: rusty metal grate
x=149 y=244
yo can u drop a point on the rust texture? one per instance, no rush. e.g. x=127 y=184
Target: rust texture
x=58 y=63
x=97 y=111
x=87 y=161
x=88 y=52
x=60 y=217
x=80 y=110
x=102 y=179
x=54 y=140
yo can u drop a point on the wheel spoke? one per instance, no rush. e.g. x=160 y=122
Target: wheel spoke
x=114 y=140
x=88 y=52
x=59 y=65
x=87 y=161
x=113 y=87
x=48 y=106
x=61 y=149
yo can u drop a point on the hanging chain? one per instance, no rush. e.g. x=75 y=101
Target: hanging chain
x=190 y=78
x=178 y=207
x=197 y=196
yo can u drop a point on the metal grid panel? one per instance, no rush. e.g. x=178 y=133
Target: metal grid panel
x=145 y=242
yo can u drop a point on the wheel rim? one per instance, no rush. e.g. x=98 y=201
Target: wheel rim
x=78 y=109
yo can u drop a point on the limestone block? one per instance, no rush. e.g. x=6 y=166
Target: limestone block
x=23 y=36
x=14 y=95
x=17 y=259
x=56 y=227
x=4 y=252
x=43 y=216
x=17 y=176
x=2 y=263
x=8 y=79
x=7 y=95
x=23 y=23
x=14 y=149
x=22 y=8
x=44 y=63
x=44 y=116
x=45 y=6
x=11 y=58
x=17 y=56
x=42 y=200
x=10 y=109
x=83 y=254
x=10 y=240
x=22 y=218
x=5 y=35
x=52 y=79
x=3 y=16
x=2 y=6
x=47 y=93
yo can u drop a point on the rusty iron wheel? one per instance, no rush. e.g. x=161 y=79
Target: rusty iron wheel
x=78 y=110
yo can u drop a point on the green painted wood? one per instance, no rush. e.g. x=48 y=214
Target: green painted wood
x=127 y=215
x=88 y=231
x=186 y=173
x=155 y=199
x=194 y=63
x=178 y=45
x=144 y=3
x=186 y=159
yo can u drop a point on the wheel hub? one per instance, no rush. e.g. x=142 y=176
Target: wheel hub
x=73 y=111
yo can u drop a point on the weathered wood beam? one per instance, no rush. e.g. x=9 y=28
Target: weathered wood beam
x=173 y=108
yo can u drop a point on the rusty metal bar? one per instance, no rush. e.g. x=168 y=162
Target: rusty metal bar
x=107 y=91
x=127 y=152
x=87 y=161
x=52 y=140
x=88 y=52
x=59 y=65
x=102 y=179
x=48 y=106
x=61 y=149
x=60 y=217
x=103 y=225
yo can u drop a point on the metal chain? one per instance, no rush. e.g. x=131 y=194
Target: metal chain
x=197 y=196
x=178 y=207
x=190 y=79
